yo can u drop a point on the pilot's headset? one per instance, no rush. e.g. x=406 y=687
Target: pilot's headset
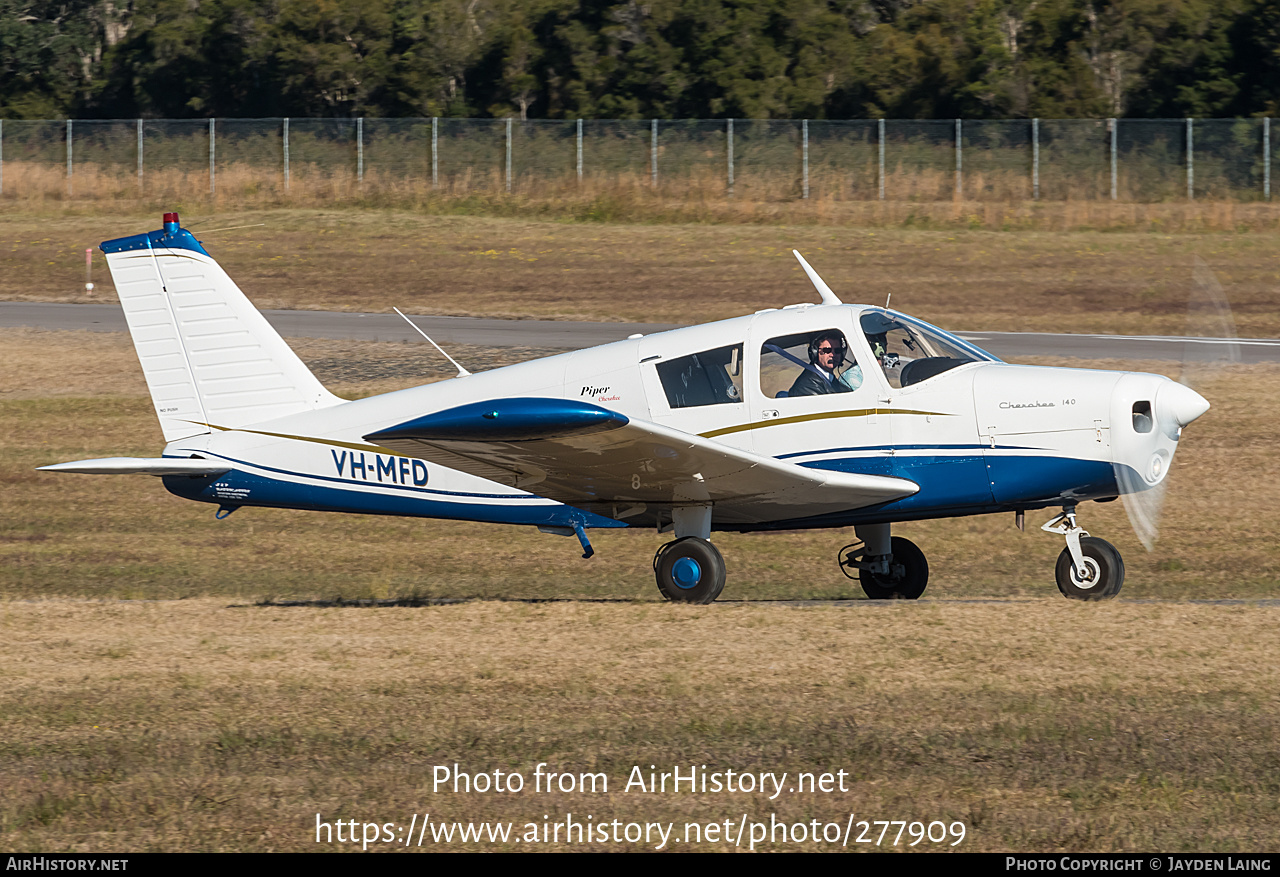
x=838 y=343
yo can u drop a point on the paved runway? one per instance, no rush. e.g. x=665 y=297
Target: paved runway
x=569 y=335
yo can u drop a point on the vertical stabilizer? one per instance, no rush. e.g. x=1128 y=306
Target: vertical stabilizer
x=209 y=357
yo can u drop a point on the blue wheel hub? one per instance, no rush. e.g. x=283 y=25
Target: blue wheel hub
x=686 y=573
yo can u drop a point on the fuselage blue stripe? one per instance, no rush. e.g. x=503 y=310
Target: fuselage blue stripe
x=239 y=488
x=358 y=484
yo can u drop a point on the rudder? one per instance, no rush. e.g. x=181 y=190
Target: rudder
x=209 y=357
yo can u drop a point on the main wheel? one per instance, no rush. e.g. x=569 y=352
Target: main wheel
x=908 y=574
x=689 y=570
x=1102 y=577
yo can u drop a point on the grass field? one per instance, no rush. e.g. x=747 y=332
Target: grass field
x=67 y=396
x=1088 y=281
x=995 y=198
x=178 y=683
x=1042 y=725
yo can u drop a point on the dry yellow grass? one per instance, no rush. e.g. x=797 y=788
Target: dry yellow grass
x=370 y=260
x=126 y=537
x=995 y=200
x=1043 y=726
x=214 y=721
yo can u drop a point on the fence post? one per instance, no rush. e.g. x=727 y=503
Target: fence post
x=729 y=138
x=880 y=141
x=1114 y=125
x=508 y=153
x=212 y=188
x=653 y=153
x=286 y=153
x=959 y=154
x=69 y=167
x=805 y=138
x=435 y=151
x=1 y=156
x=1266 y=158
x=360 y=150
x=1191 y=171
x=579 y=152
x=1035 y=159
x=139 y=153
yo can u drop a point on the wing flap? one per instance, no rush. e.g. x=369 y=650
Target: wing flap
x=585 y=455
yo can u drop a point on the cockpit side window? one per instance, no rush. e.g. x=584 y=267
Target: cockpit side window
x=909 y=351
x=712 y=377
x=808 y=364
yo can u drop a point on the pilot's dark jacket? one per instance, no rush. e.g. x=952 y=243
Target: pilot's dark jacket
x=810 y=383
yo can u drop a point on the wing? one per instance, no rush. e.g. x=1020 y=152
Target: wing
x=145 y=465
x=588 y=456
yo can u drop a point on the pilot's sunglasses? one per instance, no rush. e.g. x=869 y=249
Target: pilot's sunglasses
x=828 y=349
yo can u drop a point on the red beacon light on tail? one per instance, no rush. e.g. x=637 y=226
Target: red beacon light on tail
x=171 y=222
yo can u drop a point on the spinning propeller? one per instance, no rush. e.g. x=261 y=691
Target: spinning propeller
x=1143 y=487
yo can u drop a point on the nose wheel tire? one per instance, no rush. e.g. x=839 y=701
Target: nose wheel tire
x=689 y=570
x=908 y=574
x=1102 y=577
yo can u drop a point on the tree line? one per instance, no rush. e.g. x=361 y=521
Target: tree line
x=563 y=59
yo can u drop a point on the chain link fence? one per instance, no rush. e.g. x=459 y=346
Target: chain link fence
x=1131 y=160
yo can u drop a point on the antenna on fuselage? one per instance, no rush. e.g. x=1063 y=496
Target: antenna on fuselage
x=828 y=297
x=462 y=372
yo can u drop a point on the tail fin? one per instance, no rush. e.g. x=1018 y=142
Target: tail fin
x=209 y=357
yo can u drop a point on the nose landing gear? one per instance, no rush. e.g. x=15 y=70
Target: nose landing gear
x=1089 y=568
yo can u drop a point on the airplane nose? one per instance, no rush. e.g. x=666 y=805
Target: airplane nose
x=1180 y=403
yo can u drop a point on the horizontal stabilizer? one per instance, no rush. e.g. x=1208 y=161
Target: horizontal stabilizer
x=584 y=455
x=144 y=465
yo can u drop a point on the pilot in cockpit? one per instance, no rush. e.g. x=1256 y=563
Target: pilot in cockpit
x=828 y=352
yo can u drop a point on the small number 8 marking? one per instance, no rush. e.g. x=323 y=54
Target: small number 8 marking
x=635 y=482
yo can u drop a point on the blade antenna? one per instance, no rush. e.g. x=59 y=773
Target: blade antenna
x=462 y=372
x=828 y=297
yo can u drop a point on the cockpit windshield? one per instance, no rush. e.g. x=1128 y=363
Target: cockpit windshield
x=911 y=350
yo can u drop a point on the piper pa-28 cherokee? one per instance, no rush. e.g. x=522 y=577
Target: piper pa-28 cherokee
x=825 y=415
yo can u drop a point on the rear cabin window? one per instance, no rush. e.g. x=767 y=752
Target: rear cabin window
x=712 y=377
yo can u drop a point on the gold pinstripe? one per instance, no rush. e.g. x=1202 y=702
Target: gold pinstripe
x=741 y=427
x=824 y=415
x=354 y=446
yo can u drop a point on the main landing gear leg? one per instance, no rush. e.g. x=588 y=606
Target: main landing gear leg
x=690 y=569
x=889 y=568
x=1089 y=568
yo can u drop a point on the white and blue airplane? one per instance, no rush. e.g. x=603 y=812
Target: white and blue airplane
x=808 y=416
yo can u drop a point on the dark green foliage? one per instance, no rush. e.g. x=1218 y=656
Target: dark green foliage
x=640 y=58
